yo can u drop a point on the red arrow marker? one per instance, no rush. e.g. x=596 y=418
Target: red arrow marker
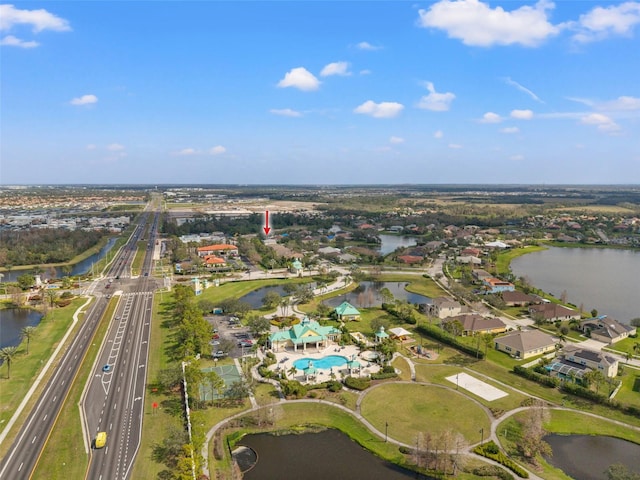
x=266 y=223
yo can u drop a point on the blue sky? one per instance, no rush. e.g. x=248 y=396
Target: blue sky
x=309 y=92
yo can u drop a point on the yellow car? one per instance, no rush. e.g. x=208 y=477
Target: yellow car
x=101 y=439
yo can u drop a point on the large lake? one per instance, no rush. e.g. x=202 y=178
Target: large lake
x=606 y=279
x=318 y=456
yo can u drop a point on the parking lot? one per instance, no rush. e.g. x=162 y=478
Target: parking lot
x=229 y=328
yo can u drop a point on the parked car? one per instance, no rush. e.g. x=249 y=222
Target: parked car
x=245 y=343
x=219 y=354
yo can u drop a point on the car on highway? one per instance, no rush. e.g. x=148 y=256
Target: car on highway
x=101 y=440
x=107 y=368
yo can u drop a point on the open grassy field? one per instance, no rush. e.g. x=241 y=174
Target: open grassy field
x=239 y=289
x=417 y=283
x=25 y=368
x=64 y=455
x=422 y=409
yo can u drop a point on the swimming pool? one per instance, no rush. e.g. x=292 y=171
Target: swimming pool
x=323 y=363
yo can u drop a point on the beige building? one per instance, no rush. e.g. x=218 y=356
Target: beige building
x=525 y=344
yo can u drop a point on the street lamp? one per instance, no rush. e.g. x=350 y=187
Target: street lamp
x=386 y=431
x=481 y=436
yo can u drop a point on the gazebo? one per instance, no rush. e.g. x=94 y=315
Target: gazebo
x=353 y=364
x=296 y=267
x=310 y=371
x=381 y=335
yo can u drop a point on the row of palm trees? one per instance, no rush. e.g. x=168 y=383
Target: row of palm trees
x=8 y=354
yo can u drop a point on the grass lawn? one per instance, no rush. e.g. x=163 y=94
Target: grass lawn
x=25 y=368
x=422 y=409
x=265 y=394
x=417 y=284
x=239 y=289
x=626 y=346
x=629 y=393
x=141 y=251
x=438 y=374
x=401 y=364
x=64 y=456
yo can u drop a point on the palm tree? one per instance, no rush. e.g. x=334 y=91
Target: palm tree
x=51 y=295
x=7 y=354
x=292 y=371
x=27 y=333
x=487 y=338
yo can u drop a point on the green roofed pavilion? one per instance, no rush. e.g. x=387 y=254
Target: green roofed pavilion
x=305 y=332
x=346 y=311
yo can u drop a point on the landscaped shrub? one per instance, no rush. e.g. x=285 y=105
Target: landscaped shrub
x=388 y=369
x=383 y=376
x=270 y=359
x=293 y=388
x=405 y=450
x=536 y=377
x=492 y=471
x=486 y=449
x=579 y=391
x=357 y=383
x=334 y=386
x=439 y=334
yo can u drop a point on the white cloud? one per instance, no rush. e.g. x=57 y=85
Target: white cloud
x=366 y=46
x=11 y=41
x=437 y=102
x=621 y=103
x=603 y=122
x=336 y=68
x=516 y=158
x=186 y=152
x=522 y=114
x=365 y=72
x=285 y=112
x=455 y=145
x=510 y=130
x=84 y=100
x=396 y=140
x=115 y=147
x=515 y=84
x=491 y=117
x=438 y=134
x=39 y=20
x=300 y=78
x=217 y=150
x=603 y=22
x=477 y=24
x=91 y=146
x=379 y=110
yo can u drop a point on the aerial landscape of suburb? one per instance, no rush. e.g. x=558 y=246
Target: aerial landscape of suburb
x=320 y=240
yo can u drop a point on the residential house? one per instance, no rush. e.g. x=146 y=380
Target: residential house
x=305 y=333
x=346 y=311
x=585 y=359
x=212 y=261
x=443 y=307
x=518 y=299
x=480 y=274
x=221 y=249
x=552 y=312
x=495 y=285
x=410 y=259
x=525 y=344
x=468 y=259
x=607 y=330
x=473 y=324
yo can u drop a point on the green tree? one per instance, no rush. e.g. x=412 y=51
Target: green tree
x=378 y=322
x=26 y=281
x=215 y=382
x=487 y=339
x=387 y=296
x=7 y=354
x=635 y=322
x=51 y=295
x=27 y=333
x=258 y=324
x=594 y=313
x=618 y=471
x=271 y=299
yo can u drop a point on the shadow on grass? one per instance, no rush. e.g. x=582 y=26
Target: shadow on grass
x=636 y=384
x=460 y=359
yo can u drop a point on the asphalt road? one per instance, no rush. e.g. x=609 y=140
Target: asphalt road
x=21 y=460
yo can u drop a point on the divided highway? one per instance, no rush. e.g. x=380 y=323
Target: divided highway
x=114 y=399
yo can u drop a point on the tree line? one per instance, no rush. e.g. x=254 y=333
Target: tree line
x=47 y=245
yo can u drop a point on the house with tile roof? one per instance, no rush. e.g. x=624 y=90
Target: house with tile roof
x=346 y=311
x=576 y=356
x=525 y=344
x=307 y=332
x=474 y=324
x=518 y=299
x=221 y=249
x=496 y=285
x=552 y=312
x=607 y=330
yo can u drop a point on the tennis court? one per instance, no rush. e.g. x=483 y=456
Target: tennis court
x=477 y=387
x=229 y=375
